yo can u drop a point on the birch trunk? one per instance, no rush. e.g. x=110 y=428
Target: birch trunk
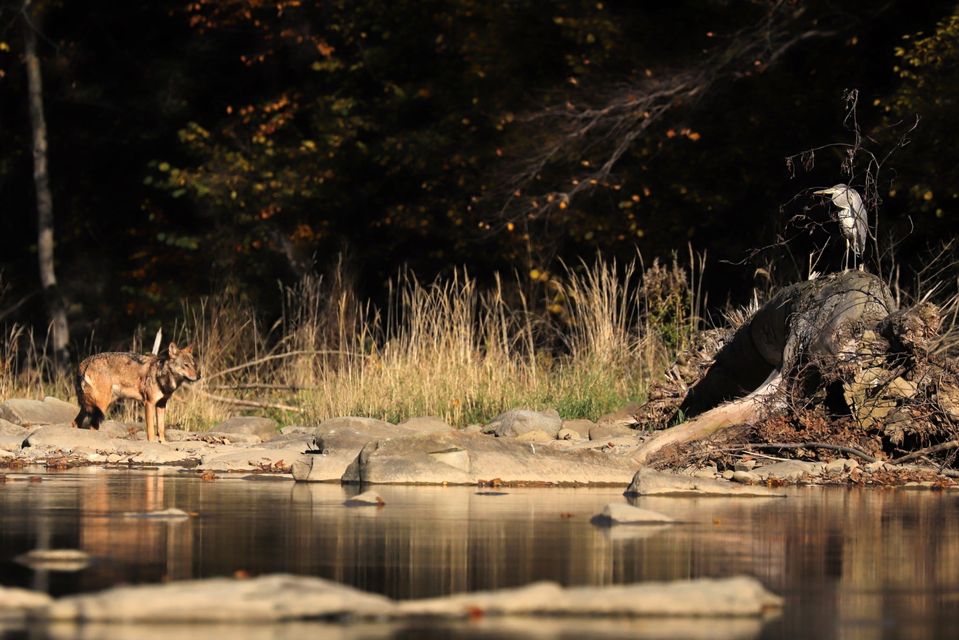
x=56 y=308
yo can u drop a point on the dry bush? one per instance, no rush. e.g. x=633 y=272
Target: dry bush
x=445 y=348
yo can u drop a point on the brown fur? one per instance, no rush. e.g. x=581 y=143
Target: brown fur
x=104 y=377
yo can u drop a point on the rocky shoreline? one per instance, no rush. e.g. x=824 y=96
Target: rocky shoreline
x=519 y=447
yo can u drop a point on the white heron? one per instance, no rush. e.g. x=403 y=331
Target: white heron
x=853 y=220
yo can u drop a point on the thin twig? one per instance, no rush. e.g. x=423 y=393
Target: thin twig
x=808 y=445
x=945 y=446
x=249 y=403
x=257 y=385
x=278 y=356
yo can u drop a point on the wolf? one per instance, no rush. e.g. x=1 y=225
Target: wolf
x=151 y=379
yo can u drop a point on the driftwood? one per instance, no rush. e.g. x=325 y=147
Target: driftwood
x=837 y=345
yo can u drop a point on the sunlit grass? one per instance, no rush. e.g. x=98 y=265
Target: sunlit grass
x=584 y=342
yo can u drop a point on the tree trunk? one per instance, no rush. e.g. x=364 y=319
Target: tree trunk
x=804 y=326
x=48 y=279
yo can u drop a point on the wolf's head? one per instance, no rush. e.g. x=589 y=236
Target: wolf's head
x=182 y=363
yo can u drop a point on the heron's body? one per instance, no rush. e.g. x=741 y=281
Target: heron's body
x=853 y=219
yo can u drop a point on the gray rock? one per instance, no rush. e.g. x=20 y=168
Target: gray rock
x=365 y=499
x=841 y=465
x=706 y=472
x=36 y=412
x=580 y=427
x=622 y=513
x=10 y=443
x=337 y=443
x=66 y=438
x=222 y=437
x=8 y=428
x=537 y=435
x=265 y=428
x=129 y=431
x=606 y=431
x=790 y=471
x=425 y=424
x=569 y=434
x=744 y=465
x=746 y=477
x=519 y=421
x=428 y=459
x=237 y=458
x=624 y=417
x=649 y=482
x=474 y=428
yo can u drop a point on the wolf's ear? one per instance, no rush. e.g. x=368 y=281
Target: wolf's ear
x=188 y=349
x=172 y=350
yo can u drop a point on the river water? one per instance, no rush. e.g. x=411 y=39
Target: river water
x=850 y=563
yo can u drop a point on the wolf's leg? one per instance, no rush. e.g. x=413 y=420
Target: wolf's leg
x=78 y=421
x=150 y=409
x=161 y=428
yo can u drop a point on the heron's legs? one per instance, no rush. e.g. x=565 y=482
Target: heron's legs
x=845 y=257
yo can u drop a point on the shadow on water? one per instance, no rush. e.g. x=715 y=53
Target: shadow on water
x=850 y=562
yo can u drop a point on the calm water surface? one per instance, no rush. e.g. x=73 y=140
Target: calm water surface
x=850 y=563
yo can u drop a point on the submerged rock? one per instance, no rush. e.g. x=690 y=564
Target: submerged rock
x=365 y=499
x=276 y=598
x=621 y=513
x=18 y=601
x=741 y=596
x=66 y=560
x=649 y=482
x=270 y=598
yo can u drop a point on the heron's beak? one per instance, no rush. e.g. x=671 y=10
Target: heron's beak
x=824 y=192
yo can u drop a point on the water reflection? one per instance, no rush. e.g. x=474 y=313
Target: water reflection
x=850 y=563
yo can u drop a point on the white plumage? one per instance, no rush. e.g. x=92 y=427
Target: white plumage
x=853 y=219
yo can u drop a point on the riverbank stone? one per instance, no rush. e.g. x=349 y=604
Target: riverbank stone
x=264 y=428
x=649 y=482
x=519 y=421
x=425 y=424
x=26 y=412
x=428 y=459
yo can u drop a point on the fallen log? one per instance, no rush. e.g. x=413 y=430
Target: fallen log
x=837 y=344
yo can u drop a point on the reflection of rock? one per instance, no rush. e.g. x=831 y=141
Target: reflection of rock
x=427 y=459
x=37 y=412
x=275 y=598
x=365 y=499
x=648 y=482
x=520 y=421
x=621 y=513
x=172 y=514
x=55 y=559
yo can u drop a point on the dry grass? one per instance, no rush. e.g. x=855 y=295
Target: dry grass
x=585 y=341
